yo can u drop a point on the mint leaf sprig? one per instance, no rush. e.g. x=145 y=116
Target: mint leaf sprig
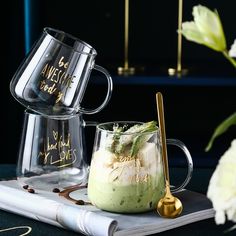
x=129 y=142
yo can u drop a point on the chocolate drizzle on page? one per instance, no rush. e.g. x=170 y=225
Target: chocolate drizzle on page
x=66 y=194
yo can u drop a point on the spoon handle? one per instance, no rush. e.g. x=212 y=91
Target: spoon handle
x=161 y=119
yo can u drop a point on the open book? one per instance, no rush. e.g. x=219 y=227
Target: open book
x=51 y=208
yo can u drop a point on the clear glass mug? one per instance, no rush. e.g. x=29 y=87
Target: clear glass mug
x=126 y=172
x=52 y=152
x=53 y=77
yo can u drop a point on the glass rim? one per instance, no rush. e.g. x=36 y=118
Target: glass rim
x=48 y=29
x=122 y=122
x=38 y=114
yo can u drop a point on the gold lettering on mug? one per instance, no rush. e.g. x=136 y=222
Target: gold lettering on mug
x=55 y=134
x=59 y=96
x=44 y=155
x=58 y=151
x=141 y=178
x=51 y=146
x=69 y=155
x=56 y=80
x=44 y=87
x=62 y=63
x=125 y=158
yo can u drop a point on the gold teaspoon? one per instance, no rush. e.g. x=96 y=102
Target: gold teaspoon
x=168 y=206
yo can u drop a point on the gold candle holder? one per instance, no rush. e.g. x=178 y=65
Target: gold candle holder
x=179 y=71
x=126 y=70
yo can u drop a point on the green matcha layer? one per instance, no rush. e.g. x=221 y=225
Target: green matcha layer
x=139 y=197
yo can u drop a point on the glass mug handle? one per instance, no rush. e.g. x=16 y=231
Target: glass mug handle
x=182 y=146
x=108 y=95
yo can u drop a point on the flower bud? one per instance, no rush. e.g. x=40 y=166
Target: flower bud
x=206 y=29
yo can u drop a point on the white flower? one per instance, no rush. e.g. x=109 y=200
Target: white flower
x=232 y=51
x=206 y=29
x=222 y=186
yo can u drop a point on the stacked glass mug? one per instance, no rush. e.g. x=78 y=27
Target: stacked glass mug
x=51 y=83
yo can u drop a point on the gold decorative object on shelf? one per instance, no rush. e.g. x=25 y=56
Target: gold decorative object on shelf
x=179 y=71
x=126 y=70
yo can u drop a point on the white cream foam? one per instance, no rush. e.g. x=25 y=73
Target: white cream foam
x=105 y=166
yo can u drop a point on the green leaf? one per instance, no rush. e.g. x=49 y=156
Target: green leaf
x=130 y=134
x=141 y=139
x=222 y=128
x=115 y=139
x=230 y=229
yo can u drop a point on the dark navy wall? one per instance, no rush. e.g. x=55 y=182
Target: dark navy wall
x=153 y=31
x=193 y=107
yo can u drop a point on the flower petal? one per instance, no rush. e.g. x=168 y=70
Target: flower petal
x=222 y=187
x=220 y=217
x=207 y=27
x=191 y=32
x=232 y=51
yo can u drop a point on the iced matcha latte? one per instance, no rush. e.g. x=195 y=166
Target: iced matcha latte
x=126 y=172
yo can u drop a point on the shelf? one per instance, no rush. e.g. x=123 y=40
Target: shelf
x=172 y=81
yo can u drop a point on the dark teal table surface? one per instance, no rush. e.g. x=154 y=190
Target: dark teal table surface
x=198 y=183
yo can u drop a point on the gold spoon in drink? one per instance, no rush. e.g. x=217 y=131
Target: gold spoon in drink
x=168 y=206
